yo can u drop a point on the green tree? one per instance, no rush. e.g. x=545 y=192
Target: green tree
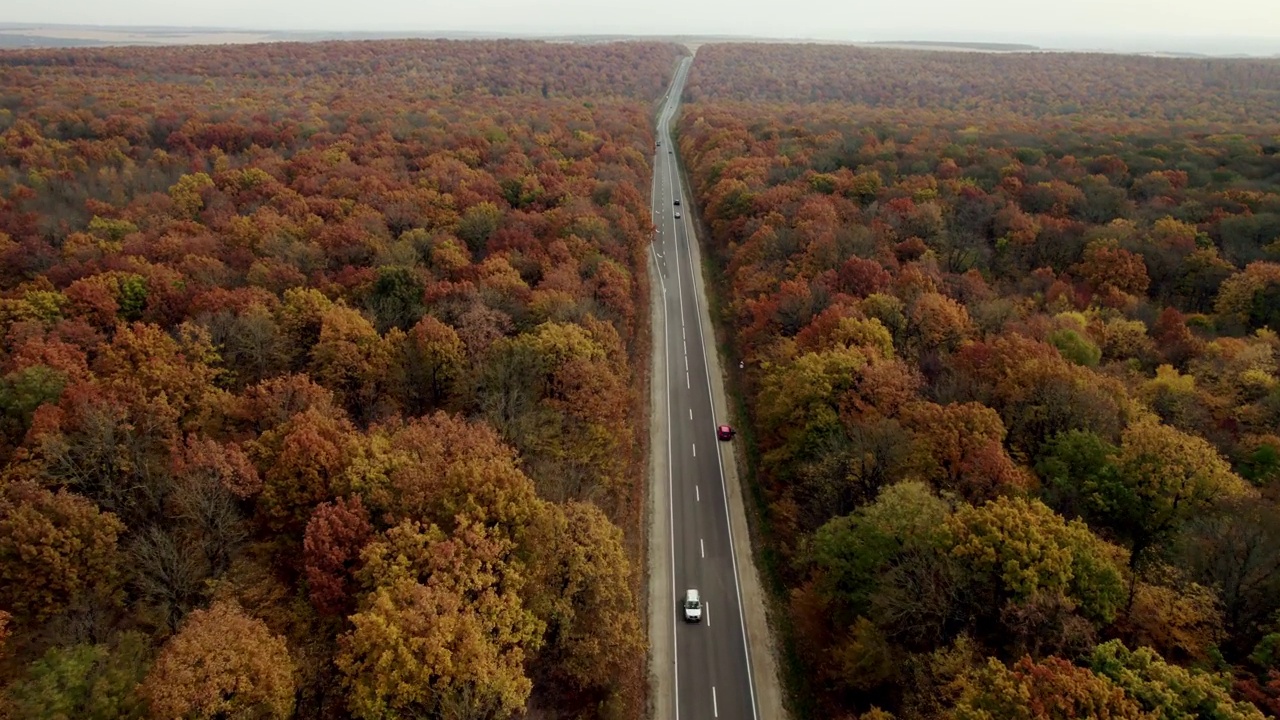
x=477 y=224
x=22 y=391
x=396 y=298
x=1075 y=347
x=888 y=563
x=1080 y=477
x=853 y=552
x=96 y=682
x=1168 y=691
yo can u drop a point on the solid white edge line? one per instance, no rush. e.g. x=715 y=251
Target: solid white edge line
x=671 y=512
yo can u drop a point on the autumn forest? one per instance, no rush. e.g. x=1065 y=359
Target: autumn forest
x=324 y=377
x=1009 y=325
x=320 y=394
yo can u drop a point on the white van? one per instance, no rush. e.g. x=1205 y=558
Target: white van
x=692 y=606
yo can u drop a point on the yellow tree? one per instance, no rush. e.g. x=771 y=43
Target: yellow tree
x=938 y=322
x=556 y=393
x=350 y=359
x=435 y=469
x=1050 y=689
x=56 y=549
x=222 y=664
x=301 y=460
x=443 y=631
x=808 y=390
x=1165 y=478
x=428 y=361
x=593 y=633
x=1248 y=297
x=1017 y=547
x=960 y=448
x=187 y=194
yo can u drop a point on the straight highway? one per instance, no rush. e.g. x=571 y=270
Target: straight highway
x=710 y=672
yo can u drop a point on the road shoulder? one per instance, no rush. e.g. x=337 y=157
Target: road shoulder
x=661 y=615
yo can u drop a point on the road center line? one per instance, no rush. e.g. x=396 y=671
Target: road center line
x=660 y=280
x=737 y=585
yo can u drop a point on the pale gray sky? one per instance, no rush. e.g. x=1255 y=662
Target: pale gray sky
x=1036 y=21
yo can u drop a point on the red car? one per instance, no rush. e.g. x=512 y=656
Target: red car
x=724 y=432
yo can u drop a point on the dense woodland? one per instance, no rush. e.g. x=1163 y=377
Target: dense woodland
x=319 y=392
x=1011 y=326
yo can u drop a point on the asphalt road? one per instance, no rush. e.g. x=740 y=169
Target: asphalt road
x=710 y=669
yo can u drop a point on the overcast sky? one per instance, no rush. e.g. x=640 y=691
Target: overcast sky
x=1035 y=21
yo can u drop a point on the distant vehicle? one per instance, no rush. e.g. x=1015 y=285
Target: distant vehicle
x=677 y=214
x=692 y=606
x=724 y=432
x=677 y=201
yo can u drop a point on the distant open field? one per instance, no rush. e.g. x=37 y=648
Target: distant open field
x=48 y=35
x=70 y=35
x=29 y=35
